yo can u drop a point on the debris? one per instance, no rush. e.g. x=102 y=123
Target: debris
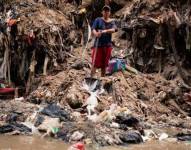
x=114 y=125
x=127 y=120
x=93 y=86
x=88 y=141
x=131 y=138
x=34 y=130
x=149 y=135
x=50 y=125
x=184 y=137
x=77 y=146
x=77 y=136
x=163 y=136
x=55 y=111
x=15 y=127
x=19 y=99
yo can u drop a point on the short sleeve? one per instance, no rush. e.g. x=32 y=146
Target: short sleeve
x=114 y=25
x=95 y=24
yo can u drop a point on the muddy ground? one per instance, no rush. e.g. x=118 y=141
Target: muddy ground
x=41 y=53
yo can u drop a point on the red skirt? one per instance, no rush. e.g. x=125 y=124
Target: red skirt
x=101 y=56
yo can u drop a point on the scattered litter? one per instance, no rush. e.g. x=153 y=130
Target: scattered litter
x=15 y=127
x=184 y=137
x=76 y=136
x=19 y=99
x=77 y=146
x=163 y=136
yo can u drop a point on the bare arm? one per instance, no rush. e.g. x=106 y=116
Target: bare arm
x=109 y=30
x=96 y=34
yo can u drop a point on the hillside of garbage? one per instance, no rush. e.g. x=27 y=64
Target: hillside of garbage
x=146 y=97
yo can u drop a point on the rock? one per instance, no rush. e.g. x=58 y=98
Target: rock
x=74 y=102
x=109 y=139
x=74 y=97
x=141 y=95
x=77 y=136
x=161 y=96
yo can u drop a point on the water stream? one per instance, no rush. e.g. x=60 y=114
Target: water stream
x=36 y=143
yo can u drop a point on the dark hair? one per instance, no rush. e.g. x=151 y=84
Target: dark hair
x=106 y=8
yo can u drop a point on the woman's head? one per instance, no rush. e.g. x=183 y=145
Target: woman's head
x=106 y=11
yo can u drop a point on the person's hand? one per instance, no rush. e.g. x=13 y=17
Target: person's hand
x=98 y=34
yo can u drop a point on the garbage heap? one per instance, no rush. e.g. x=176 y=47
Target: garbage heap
x=34 y=39
x=158 y=33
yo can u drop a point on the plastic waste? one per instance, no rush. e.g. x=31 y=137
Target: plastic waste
x=76 y=136
x=50 y=125
x=32 y=127
x=163 y=136
x=93 y=87
x=148 y=135
x=77 y=146
x=91 y=84
x=19 y=99
x=92 y=102
x=115 y=125
x=115 y=65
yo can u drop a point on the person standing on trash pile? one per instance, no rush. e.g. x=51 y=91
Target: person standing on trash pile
x=102 y=29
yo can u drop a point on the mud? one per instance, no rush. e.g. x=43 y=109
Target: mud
x=27 y=143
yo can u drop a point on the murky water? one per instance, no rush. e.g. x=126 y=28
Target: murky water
x=36 y=143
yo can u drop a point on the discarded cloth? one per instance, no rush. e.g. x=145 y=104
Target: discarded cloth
x=14 y=127
x=55 y=111
x=115 y=65
x=184 y=137
x=131 y=138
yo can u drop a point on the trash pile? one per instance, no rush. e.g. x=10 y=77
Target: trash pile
x=34 y=39
x=158 y=33
x=127 y=106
